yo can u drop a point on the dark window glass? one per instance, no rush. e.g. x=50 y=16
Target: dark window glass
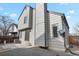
x=55 y=34
x=27 y=36
x=25 y=19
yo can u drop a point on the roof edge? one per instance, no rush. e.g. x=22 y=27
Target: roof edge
x=57 y=13
x=23 y=10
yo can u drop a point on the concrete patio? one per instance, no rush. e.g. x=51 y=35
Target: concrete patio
x=30 y=51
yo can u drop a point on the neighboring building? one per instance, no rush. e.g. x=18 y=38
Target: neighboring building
x=13 y=33
x=40 y=27
x=13 y=30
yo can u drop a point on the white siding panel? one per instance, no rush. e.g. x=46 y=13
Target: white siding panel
x=59 y=41
x=32 y=31
x=26 y=13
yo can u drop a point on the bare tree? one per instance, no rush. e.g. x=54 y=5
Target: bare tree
x=76 y=28
x=5 y=22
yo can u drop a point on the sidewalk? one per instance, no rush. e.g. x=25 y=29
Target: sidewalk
x=33 y=52
x=10 y=46
x=7 y=47
x=13 y=50
x=75 y=50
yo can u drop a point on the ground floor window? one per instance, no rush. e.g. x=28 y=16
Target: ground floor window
x=27 y=35
x=55 y=34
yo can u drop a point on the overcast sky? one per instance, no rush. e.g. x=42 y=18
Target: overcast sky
x=71 y=11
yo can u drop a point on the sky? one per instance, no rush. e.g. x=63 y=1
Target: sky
x=71 y=11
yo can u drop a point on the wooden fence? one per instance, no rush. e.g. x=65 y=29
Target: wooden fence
x=8 y=39
x=74 y=40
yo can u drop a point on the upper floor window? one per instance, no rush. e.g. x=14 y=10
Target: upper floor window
x=25 y=19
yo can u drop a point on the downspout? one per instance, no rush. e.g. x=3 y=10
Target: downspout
x=68 y=49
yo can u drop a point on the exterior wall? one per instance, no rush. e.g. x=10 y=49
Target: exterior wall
x=39 y=27
x=47 y=30
x=40 y=24
x=26 y=13
x=22 y=37
x=58 y=42
x=32 y=31
x=25 y=28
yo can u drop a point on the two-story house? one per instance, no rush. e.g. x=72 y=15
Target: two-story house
x=40 y=27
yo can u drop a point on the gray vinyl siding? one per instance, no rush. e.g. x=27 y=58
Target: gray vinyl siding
x=27 y=13
x=32 y=31
x=40 y=25
x=55 y=42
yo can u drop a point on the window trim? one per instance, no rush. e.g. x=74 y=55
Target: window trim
x=54 y=25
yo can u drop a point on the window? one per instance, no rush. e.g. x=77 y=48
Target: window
x=25 y=19
x=55 y=34
x=27 y=35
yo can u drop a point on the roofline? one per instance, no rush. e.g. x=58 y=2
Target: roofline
x=65 y=20
x=24 y=29
x=23 y=10
x=60 y=14
x=57 y=13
